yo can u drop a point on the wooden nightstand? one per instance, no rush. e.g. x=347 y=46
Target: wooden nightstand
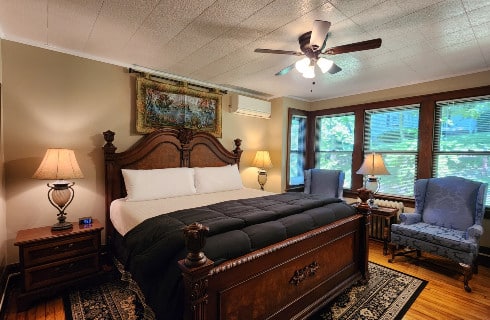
x=51 y=261
x=380 y=227
x=381 y=220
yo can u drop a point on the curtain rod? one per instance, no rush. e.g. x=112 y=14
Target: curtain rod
x=180 y=81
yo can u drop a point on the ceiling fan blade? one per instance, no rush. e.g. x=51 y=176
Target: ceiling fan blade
x=319 y=33
x=285 y=70
x=334 y=69
x=292 y=53
x=356 y=46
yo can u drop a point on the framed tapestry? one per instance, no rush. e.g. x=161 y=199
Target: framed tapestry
x=160 y=105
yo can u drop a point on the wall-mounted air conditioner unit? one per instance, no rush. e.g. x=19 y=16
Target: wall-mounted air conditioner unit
x=250 y=106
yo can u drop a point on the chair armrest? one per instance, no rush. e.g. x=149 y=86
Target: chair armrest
x=410 y=217
x=474 y=232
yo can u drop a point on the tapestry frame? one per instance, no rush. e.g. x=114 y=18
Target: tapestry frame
x=161 y=105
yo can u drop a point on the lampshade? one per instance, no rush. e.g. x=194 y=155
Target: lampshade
x=262 y=160
x=324 y=64
x=373 y=165
x=310 y=72
x=58 y=164
x=302 y=65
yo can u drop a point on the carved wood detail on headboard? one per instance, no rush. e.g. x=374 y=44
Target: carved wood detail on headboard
x=165 y=148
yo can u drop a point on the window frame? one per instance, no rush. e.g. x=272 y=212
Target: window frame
x=426 y=133
x=316 y=148
x=368 y=130
x=296 y=112
x=438 y=136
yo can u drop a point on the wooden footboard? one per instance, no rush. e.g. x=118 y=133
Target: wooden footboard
x=288 y=280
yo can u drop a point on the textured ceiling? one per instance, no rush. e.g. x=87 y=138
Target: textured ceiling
x=213 y=42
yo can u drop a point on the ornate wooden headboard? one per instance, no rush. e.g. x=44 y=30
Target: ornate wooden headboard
x=166 y=148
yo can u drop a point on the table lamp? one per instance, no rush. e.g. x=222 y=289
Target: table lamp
x=59 y=164
x=373 y=165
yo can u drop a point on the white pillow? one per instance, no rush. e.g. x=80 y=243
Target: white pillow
x=215 y=179
x=158 y=183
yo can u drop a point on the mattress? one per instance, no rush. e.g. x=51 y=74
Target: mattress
x=125 y=215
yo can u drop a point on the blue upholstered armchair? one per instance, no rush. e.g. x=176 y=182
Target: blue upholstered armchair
x=323 y=181
x=447 y=222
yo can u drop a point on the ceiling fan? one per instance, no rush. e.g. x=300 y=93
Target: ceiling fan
x=313 y=46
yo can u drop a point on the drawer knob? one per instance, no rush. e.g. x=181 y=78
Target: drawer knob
x=70 y=245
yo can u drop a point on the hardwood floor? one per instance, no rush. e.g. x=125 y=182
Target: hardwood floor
x=443 y=298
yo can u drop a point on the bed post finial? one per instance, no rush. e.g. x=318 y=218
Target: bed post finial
x=109 y=137
x=195 y=239
x=237 y=151
x=195 y=272
x=185 y=135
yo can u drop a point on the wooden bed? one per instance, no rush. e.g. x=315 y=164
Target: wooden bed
x=288 y=280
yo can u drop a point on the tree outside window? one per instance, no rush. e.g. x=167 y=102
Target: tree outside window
x=297 y=150
x=334 y=143
x=393 y=132
x=462 y=139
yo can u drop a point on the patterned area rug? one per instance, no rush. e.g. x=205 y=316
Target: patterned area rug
x=388 y=295
x=114 y=300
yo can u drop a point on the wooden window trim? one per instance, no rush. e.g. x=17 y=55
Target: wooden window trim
x=426 y=131
x=296 y=112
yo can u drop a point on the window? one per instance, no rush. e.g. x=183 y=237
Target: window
x=297 y=149
x=433 y=135
x=462 y=139
x=393 y=132
x=334 y=143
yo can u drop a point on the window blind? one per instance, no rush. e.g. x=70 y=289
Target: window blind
x=393 y=132
x=462 y=139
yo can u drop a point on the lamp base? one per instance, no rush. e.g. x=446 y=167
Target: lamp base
x=61 y=226
x=262 y=179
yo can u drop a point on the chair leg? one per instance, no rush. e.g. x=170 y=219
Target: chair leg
x=467 y=273
x=392 y=251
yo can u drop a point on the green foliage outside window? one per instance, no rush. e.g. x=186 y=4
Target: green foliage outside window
x=335 y=143
x=462 y=144
x=297 y=150
x=393 y=132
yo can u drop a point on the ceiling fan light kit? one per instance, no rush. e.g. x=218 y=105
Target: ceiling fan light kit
x=306 y=66
x=302 y=65
x=312 y=45
x=309 y=72
x=324 y=64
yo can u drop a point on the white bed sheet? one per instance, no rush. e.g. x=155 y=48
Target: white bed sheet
x=125 y=215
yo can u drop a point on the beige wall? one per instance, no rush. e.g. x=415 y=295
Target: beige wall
x=449 y=84
x=57 y=100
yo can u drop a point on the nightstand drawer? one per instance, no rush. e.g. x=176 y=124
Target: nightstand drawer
x=56 y=272
x=40 y=253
